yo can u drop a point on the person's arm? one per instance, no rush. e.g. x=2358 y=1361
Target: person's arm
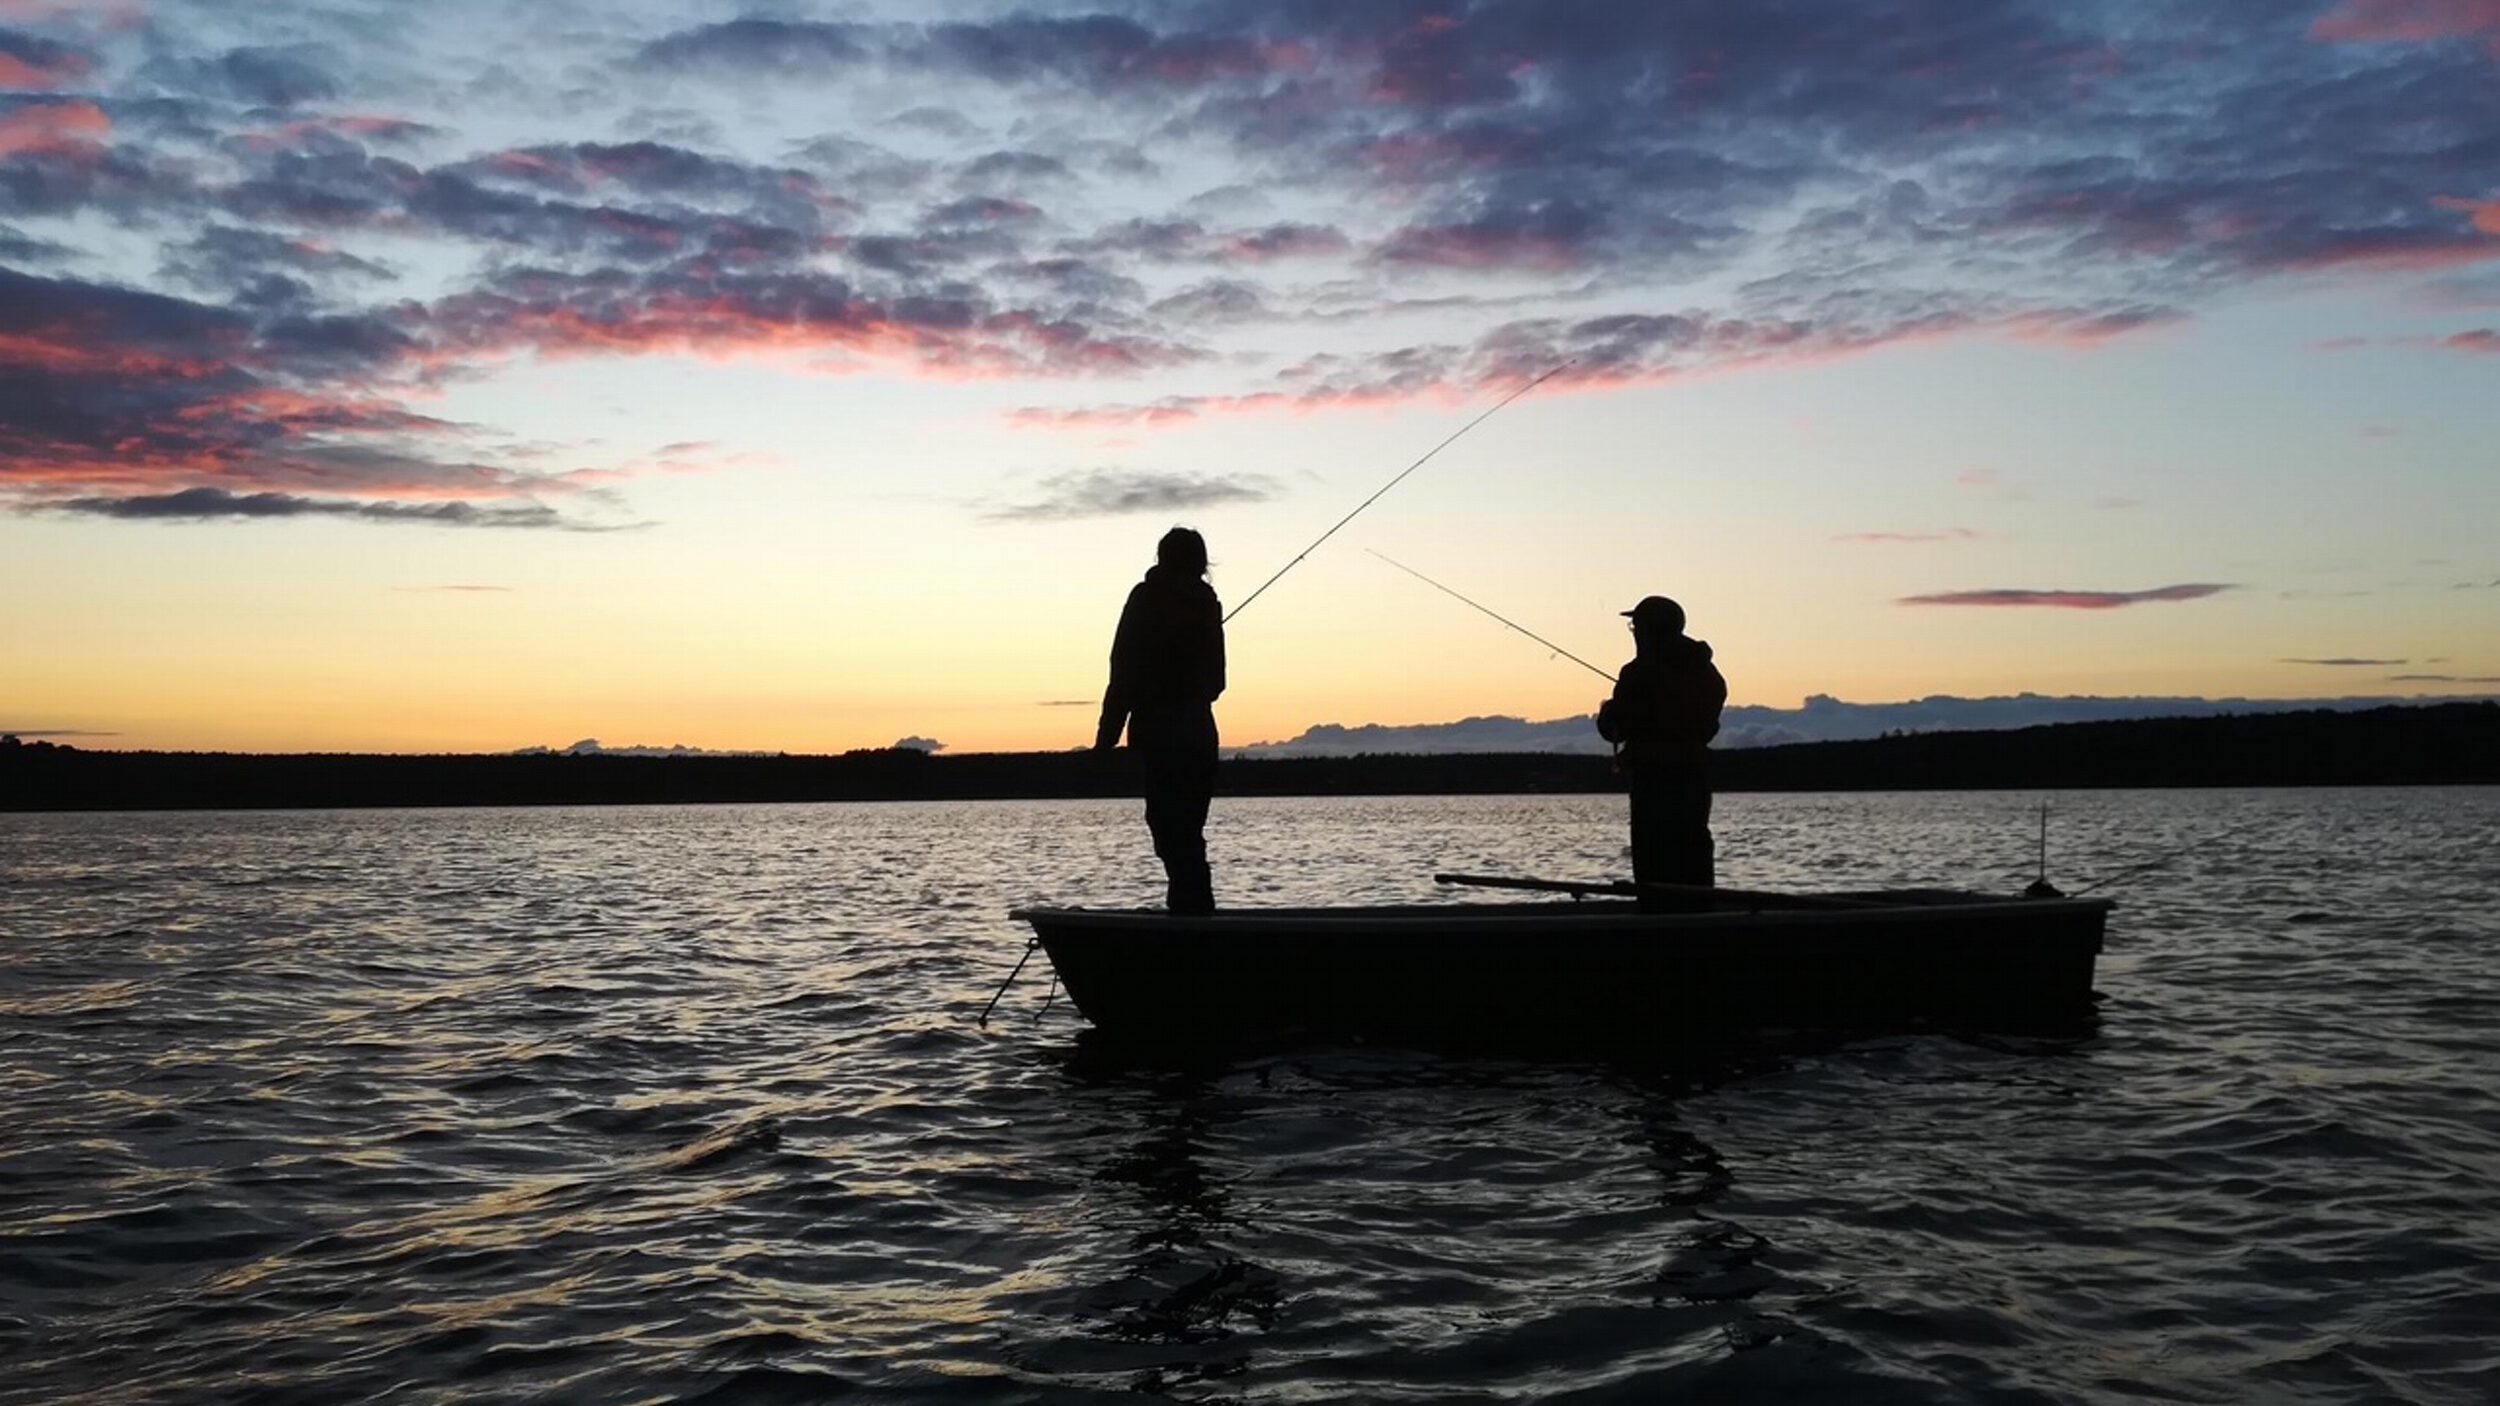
x=1116 y=696
x=1612 y=713
x=1217 y=691
x=1692 y=715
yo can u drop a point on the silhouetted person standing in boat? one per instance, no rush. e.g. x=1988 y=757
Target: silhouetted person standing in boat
x=1167 y=670
x=1664 y=711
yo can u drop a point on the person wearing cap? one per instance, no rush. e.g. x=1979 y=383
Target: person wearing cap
x=1167 y=670
x=1661 y=718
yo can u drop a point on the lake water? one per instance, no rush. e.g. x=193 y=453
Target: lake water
x=688 y=1104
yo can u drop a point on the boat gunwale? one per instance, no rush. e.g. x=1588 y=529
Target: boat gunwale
x=1601 y=915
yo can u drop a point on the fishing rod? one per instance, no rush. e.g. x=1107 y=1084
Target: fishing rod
x=1402 y=473
x=1540 y=639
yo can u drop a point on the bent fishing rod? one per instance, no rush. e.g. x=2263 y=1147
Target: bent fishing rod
x=1402 y=473
x=1540 y=639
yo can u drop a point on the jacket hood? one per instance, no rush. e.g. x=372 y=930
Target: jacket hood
x=1178 y=582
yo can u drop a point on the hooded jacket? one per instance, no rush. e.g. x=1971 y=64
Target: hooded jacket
x=1665 y=707
x=1168 y=654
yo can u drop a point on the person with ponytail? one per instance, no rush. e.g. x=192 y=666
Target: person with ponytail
x=1167 y=670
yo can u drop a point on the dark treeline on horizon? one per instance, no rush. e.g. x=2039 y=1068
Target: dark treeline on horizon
x=2456 y=743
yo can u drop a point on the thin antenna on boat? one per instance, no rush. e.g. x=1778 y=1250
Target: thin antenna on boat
x=1462 y=600
x=2040 y=887
x=1402 y=473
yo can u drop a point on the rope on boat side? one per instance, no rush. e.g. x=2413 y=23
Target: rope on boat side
x=1034 y=942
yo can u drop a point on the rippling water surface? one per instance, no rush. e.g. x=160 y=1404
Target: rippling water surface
x=688 y=1104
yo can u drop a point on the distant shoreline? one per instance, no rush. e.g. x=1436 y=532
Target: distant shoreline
x=2440 y=744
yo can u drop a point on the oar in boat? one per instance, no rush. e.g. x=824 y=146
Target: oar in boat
x=1627 y=888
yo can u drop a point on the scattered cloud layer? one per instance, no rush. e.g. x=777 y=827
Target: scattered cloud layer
x=320 y=216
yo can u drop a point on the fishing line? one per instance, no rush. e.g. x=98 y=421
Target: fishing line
x=1540 y=639
x=1402 y=473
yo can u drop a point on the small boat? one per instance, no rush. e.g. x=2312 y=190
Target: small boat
x=1591 y=970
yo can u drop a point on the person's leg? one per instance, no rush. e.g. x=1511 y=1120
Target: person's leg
x=1647 y=860
x=1179 y=782
x=1692 y=856
x=1192 y=882
x=1671 y=841
x=1167 y=816
x=1653 y=856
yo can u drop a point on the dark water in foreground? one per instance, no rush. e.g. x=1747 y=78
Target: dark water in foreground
x=688 y=1104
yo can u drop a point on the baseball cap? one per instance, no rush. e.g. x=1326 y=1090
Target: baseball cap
x=1658 y=611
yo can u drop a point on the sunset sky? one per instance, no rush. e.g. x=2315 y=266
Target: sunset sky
x=465 y=376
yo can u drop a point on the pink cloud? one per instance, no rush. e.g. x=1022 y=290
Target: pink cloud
x=54 y=129
x=2408 y=21
x=1484 y=247
x=2483 y=341
x=2486 y=213
x=2400 y=250
x=695 y=456
x=118 y=14
x=26 y=76
x=2068 y=600
x=2091 y=333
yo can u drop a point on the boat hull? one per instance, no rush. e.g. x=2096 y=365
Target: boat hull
x=1577 y=973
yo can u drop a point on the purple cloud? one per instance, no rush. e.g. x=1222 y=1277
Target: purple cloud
x=755 y=44
x=2067 y=600
x=1126 y=492
x=1942 y=534
x=205 y=504
x=30 y=63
